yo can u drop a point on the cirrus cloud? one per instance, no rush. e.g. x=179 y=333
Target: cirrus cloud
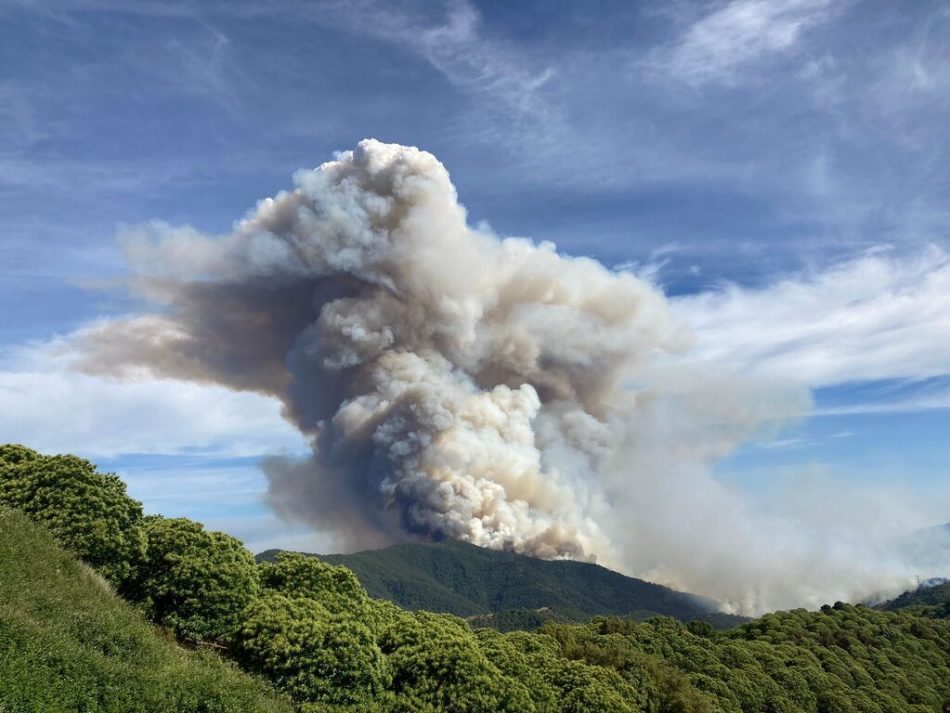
x=881 y=316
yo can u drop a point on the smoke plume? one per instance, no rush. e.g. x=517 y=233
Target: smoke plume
x=459 y=385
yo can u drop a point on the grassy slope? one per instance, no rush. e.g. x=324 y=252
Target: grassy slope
x=67 y=643
x=468 y=581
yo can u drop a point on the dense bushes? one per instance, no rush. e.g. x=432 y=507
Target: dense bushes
x=846 y=658
x=87 y=512
x=311 y=629
x=316 y=633
x=194 y=581
x=310 y=653
x=437 y=663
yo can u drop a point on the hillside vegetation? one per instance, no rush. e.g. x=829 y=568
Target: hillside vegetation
x=67 y=643
x=509 y=590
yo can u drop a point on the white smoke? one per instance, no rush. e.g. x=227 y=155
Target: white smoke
x=459 y=385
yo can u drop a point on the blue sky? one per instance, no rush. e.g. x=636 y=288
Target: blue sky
x=779 y=168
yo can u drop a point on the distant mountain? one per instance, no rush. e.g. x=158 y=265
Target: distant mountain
x=931 y=598
x=511 y=591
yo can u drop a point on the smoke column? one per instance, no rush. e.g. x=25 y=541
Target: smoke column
x=459 y=385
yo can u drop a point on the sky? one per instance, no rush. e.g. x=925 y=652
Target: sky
x=777 y=167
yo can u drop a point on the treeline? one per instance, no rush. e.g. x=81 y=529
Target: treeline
x=311 y=630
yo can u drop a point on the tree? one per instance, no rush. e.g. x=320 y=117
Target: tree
x=194 y=581
x=87 y=512
x=437 y=662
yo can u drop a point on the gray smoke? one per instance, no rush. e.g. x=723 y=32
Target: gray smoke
x=459 y=385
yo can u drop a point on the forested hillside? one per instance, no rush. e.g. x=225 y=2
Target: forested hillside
x=932 y=600
x=67 y=643
x=469 y=581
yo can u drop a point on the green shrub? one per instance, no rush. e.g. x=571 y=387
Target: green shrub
x=310 y=653
x=87 y=512
x=335 y=588
x=298 y=575
x=437 y=662
x=194 y=581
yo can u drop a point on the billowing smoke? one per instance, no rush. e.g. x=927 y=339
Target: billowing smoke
x=458 y=385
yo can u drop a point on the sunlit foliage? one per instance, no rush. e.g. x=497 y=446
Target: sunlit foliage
x=87 y=512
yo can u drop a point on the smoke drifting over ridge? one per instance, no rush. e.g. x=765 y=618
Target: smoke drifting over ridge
x=458 y=385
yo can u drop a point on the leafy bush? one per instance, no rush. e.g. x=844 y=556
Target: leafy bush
x=194 y=581
x=438 y=664
x=87 y=512
x=335 y=588
x=301 y=576
x=310 y=653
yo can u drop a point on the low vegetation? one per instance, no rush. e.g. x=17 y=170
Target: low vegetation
x=68 y=643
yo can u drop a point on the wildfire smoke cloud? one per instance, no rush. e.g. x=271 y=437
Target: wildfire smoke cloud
x=455 y=384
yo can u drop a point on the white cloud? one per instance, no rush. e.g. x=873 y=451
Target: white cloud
x=198 y=64
x=46 y=405
x=721 y=44
x=877 y=317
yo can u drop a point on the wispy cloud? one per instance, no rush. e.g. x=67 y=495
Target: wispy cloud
x=878 y=317
x=721 y=46
x=921 y=64
x=447 y=34
x=800 y=441
x=456 y=46
x=199 y=65
x=19 y=126
x=910 y=404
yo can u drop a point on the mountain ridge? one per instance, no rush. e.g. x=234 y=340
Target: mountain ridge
x=478 y=583
x=930 y=598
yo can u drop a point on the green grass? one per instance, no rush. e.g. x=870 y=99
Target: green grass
x=68 y=643
x=470 y=581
